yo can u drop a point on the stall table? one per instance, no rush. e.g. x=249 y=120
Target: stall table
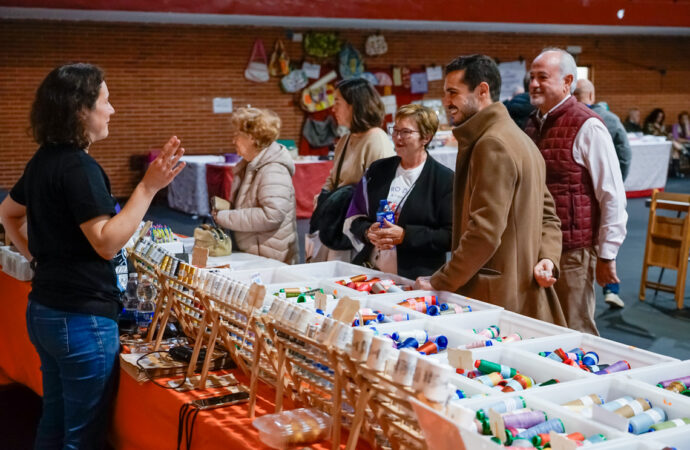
x=648 y=166
x=188 y=192
x=145 y=416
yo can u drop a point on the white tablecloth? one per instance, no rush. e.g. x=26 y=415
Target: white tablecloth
x=648 y=165
x=188 y=192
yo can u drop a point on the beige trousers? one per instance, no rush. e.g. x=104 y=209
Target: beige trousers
x=575 y=289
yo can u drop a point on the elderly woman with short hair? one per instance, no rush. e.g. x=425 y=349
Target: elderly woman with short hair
x=419 y=191
x=263 y=216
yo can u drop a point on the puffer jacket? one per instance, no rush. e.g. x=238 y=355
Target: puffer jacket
x=263 y=215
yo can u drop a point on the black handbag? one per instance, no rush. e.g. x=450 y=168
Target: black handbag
x=331 y=209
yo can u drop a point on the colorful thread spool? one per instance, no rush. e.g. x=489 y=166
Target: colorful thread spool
x=633 y=408
x=594 y=439
x=503 y=406
x=490 y=332
x=518 y=383
x=513 y=337
x=685 y=380
x=590 y=359
x=641 y=423
x=676 y=386
x=618 y=366
x=617 y=403
x=478 y=344
x=549 y=382
x=434 y=345
x=545 y=427
x=486 y=366
x=409 y=343
x=670 y=424
x=420 y=335
x=526 y=419
x=584 y=402
x=491 y=379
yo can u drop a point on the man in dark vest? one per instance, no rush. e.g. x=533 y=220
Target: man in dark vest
x=585 y=93
x=584 y=178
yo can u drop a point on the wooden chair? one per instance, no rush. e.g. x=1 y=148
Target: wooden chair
x=668 y=243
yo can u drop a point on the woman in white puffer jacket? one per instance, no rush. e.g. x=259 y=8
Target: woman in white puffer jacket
x=263 y=214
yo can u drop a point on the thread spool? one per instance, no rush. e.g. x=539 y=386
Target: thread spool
x=361 y=342
x=478 y=344
x=405 y=367
x=670 y=424
x=618 y=366
x=486 y=366
x=584 y=402
x=617 y=403
x=380 y=348
x=518 y=383
x=590 y=359
x=491 y=379
x=545 y=427
x=433 y=345
x=513 y=337
x=521 y=443
x=420 y=335
x=594 y=439
x=503 y=406
x=420 y=373
x=400 y=317
x=633 y=408
x=676 y=386
x=641 y=423
x=685 y=380
x=409 y=343
x=549 y=382
x=526 y=419
x=489 y=332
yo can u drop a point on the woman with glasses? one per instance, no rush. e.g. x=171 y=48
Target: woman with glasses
x=358 y=107
x=417 y=190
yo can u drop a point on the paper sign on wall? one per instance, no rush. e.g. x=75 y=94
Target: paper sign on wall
x=419 y=83
x=390 y=103
x=222 y=105
x=434 y=73
x=311 y=70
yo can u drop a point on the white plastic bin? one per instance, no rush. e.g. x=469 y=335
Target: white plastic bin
x=328 y=270
x=608 y=351
x=266 y=276
x=441 y=297
x=654 y=374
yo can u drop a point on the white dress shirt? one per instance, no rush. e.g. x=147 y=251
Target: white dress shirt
x=593 y=149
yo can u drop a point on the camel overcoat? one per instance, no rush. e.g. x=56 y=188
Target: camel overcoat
x=504 y=220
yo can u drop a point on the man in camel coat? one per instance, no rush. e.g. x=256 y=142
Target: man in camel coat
x=506 y=235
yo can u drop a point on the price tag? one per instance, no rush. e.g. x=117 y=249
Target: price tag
x=559 y=442
x=199 y=256
x=460 y=359
x=255 y=299
x=320 y=301
x=345 y=310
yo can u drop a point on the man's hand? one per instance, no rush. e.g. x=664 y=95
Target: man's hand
x=606 y=272
x=543 y=273
x=423 y=283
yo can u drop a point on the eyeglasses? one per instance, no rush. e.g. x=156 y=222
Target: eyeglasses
x=404 y=133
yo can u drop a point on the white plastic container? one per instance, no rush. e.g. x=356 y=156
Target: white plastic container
x=328 y=270
x=608 y=351
x=266 y=276
x=441 y=297
x=508 y=323
x=654 y=374
x=678 y=438
x=431 y=327
x=613 y=387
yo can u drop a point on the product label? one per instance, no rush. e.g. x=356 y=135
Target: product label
x=655 y=415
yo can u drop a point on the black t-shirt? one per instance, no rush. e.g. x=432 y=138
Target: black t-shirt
x=63 y=187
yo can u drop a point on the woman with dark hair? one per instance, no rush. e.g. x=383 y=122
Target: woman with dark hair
x=654 y=123
x=74 y=236
x=359 y=108
x=419 y=192
x=680 y=134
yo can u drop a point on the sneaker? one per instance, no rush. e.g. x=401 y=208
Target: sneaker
x=613 y=300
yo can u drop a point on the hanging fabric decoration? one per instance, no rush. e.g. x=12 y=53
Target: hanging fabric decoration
x=351 y=63
x=279 y=64
x=376 y=45
x=257 y=69
x=320 y=95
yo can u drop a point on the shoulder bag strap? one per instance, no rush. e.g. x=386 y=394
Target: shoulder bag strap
x=340 y=163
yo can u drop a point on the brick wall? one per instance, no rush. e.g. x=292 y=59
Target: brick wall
x=163 y=78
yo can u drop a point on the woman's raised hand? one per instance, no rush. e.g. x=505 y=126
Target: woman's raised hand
x=165 y=167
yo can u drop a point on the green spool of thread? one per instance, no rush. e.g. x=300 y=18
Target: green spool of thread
x=548 y=382
x=686 y=392
x=485 y=366
x=670 y=424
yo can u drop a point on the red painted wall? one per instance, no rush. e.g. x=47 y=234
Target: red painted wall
x=163 y=78
x=573 y=12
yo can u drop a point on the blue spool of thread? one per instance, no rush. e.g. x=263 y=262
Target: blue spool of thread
x=409 y=343
x=380 y=317
x=577 y=351
x=590 y=359
x=370 y=322
x=319 y=311
x=595 y=439
x=642 y=422
x=433 y=310
x=545 y=427
x=460 y=394
x=443 y=306
x=617 y=403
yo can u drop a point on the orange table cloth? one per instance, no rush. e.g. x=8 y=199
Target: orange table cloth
x=146 y=415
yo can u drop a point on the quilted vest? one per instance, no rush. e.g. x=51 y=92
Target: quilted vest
x=569 y=183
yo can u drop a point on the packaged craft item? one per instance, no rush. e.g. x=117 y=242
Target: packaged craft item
x=296 y=427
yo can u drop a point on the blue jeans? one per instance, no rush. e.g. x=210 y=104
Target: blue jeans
x=613 y=288
x=79 y=362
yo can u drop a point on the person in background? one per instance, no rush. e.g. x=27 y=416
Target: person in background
x=583 y=175
x=654 y=123
x=632 y=123
x=585 y=93
x=263 y=213
x=419 y=191
x=519 y=107
x=359 y=108
x=680 y=134
x=75 y=236
x=506 y=238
